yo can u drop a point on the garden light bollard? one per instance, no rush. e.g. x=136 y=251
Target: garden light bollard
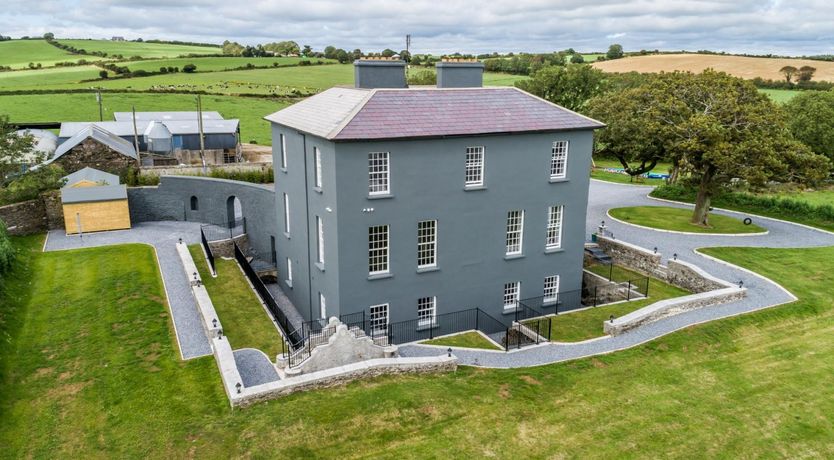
x=238 y=386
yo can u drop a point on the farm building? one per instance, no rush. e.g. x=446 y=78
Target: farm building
x=95 y=147
x=45 y=144
x=171 y=137
x=94 y=201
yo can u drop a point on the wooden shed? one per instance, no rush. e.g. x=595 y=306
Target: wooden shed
x=94 y=201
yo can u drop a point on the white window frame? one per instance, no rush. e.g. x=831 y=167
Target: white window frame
x=379 y=319
x=286 y=214
x=559 y=160
x=515 y=232
x=317 y=157
x=320 y=240
x=512 y=295
x=378 y=249
x=426 y=311
x=551 y=289
x=427 y=243
x=289 y=271
x=379 y=173
x=322 y=306
x=474 y=166
x=555 y=218
x=283 y=152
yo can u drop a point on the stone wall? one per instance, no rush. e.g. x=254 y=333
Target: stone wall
x=198 y=170
x=96 y=155
x=629 y=255
x=54 y=210
x=226 y=248
x=25 y=218
x=692 y=278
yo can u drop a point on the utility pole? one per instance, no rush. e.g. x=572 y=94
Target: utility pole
x=408 y=54
x=202 y=140
x=100 y=111
x=135 y=135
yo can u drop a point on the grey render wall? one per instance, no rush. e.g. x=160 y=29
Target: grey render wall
x=427 y=182
x=460 y=74
x=171 y=200
x=211 y=141
x=379 y=74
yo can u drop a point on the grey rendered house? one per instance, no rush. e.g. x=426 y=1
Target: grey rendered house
x=407 y=203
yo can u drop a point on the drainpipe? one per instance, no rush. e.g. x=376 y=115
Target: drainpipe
x=307 y=229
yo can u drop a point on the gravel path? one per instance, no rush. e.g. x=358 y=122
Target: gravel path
x=163 y=236
x=605 y=195
x=254 y=366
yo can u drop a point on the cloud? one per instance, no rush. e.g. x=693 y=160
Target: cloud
x=770 y=26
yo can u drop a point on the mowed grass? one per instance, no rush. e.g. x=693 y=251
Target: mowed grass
x=587 y=324
x=215 y=64
x=17 y=54
x=599 y=172
x=678 y=220
x=780 y=96
x=244 y=320
x=469 y=339
x=49 y=78
x=814 y=197
x=144 y=49
x=750 y=386
x=83 y=107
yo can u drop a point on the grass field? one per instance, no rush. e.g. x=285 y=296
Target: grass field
x=592 y=57
x=55 y=77
x=244 y=320
x=677 y=219
x=469 y=339
x=780 y=95
x=744 y=67
x=815 y=197
x=17 y=54
x=96 y=375
x=214 y=64
x=146 y=50
x=83 y=107
x=598 y=172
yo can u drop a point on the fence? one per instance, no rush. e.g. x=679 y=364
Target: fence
x=226 y=231
x=282 y=320
x=529 y=332
x=207 y=249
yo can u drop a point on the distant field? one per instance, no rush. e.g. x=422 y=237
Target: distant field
x=49 y=78
x=744 y=67
x=147 y=50
x=83 y=107
x=780 y=95
x=17 y=54
x=592 y=57
x=213 y=64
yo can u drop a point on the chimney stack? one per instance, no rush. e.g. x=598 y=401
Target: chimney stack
x=379 y=72
x=460 y=73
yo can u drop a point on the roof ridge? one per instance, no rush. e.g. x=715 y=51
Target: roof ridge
x=556 y=105
x=349 y=117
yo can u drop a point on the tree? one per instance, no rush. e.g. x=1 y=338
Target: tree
x=405 y=55
x=189 y=68
x=570 y=87
x=356 y=54
x=232 y=48
x=577 y=59
x=423 y=77
x=342 y=56
x=788 y=71
x=102 y=74
x=7 y=252
x=615 y=51
x=811 y=120
x=806 y=73
x=307 y=51
x=283 y=48
x=388 y=52
x=330 y=52
x=15 y=150
x=49 y=36
x=717 y=128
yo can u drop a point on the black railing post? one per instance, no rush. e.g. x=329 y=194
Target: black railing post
x=610 y=271
x=595 y=295
x=628 y=292
x=648 y=280
x=477 y=317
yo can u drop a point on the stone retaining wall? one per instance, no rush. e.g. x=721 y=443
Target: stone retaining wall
x=226 y=248
x=692 y=278
x=629 y=255
x=54 y=210
x=25 y=218
x=198 y=170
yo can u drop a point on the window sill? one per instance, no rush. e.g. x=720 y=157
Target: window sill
x=381 y=196
x=556 y=180
x=283 y=170
x=288 y=283
x=320 y=266
x=510 y=311
x=427 y=269
x=473 y=188
x=379 y=276
x=514 y=256
x=317 y=189
x=287 y=235
x=553 y=250
x=426 y=327
x=550 y=303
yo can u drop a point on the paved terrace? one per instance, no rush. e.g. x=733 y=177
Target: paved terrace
x=605 y=195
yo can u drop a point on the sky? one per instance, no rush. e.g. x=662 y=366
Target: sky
x=795 y=27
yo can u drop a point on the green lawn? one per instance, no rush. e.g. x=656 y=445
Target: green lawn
x=587 y=324
x=678 y=219
x=598 y=172
x=815 y=197
x=49 y=78
x=591 y=57
x=83 y=107
x=213 y=64
x=91 y=371
x=780 y=95
x=244 y=320
x=17 y=54
x=144 y=49
x=469 y=339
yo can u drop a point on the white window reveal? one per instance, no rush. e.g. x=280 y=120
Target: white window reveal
x=426 y=243
x=426 y=311
x=283 y=152
x=286 y=214
x=378 y=249
x=559 y=160
x=379 y=175
x=322 y=306
x=474 y=166
x=379 y=319
x=554 y=227
x=512 y=293
x=317 y=155
x=551 y=289
x=320 y=244
x=515 y=231
x=289 y=271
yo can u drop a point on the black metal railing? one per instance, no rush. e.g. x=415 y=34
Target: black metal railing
x=225 y=231
x=528 y=332
x=207 y=250
x=293 y=336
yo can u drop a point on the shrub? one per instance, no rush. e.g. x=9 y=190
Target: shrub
x=102 y=74
x=189 y=68
x=28 y=186
x=7 y=253
x=257 y=177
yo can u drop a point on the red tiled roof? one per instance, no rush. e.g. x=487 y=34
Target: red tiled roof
x=411 y=113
